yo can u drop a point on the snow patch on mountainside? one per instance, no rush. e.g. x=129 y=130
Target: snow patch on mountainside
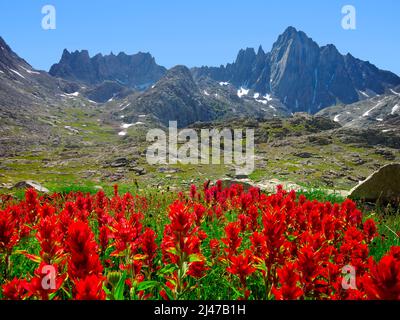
x=366 y=114
x=242 y=92
x=395 y=109
x=29 y=71
x=268 y=97
x=394 y=92
x=262 y=101
x=74 y=94
x=17 y=73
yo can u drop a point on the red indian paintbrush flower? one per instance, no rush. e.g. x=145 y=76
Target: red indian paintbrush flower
x=214 y=247
x=40 y=287
x=370 y=230
x=149 y=246
x=8 y=232
x=197 y=269
x=83 y=259
x=241 y=266
x=16 y=289
x=259 y=245
x=384 y=281
x=232 y=240
x=181 y=219
x=90 y=288
x=50 y=237
x=289 y=279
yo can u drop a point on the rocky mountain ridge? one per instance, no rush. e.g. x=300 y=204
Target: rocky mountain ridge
x=303 y=75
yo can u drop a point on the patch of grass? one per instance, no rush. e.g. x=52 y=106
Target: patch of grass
x=322 y=196
x=65 y=189
x=388 y=222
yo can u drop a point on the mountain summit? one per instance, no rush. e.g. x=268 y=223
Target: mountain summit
x=303 y=75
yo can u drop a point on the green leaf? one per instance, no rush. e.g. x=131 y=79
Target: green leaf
x=169 y=268
x=195 y=257
x=119 y=288
x=236 y=291
x=172 y=250
x=146 y=285
x=107 y=291
x=31 y=257
x=52 y=295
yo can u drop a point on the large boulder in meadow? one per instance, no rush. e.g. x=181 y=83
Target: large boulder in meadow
x=382 y=186
x=30 y=184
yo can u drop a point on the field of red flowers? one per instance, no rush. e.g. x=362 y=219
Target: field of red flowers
x=213 y=243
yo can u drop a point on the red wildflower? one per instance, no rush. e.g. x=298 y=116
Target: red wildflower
x=164 y=294
x=384 y=281
x=8 y=232
x=149 y=246
x=126 y=234
x=193 y=191
x=90 y=288
x=50 y=237
x=16 y=289
x=197 y=269
x=41 y=287
x=395 y=252
x=289 y=279
x=370 y=229
x=199 y=211
x=259 y=245
x=181 y=219
x=214 y=247
x=104 y=238
x=241 y=266
x=83 y=259
x=232 y=240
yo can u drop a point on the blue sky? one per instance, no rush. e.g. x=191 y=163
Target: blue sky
x=194 y=32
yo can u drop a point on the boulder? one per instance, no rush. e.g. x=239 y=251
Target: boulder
x=387 y=154
x=138 y=170
x=169 y=170
x=304 y=155
x=268 y=186
x=30 y=184
x=382 y=186
x=119 y=162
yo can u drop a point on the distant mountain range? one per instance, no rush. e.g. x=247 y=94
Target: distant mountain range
x=297 y=75
x=137 y=71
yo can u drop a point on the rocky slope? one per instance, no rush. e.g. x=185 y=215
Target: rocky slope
x=303 y=75
x=177 y=97
x=381 y=112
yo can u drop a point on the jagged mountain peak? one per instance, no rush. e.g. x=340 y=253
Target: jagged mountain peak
x=137 y=71
x=292 y=34
x=303 y=75
x=260 y=51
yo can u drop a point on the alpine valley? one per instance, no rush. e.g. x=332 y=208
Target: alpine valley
x=321 y=118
